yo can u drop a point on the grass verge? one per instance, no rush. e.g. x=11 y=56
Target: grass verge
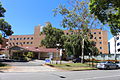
x=72 y=66
x=3 y=66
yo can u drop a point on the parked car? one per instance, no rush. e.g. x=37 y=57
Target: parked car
x=107 y=65
x=118 y=63
x=76 y=60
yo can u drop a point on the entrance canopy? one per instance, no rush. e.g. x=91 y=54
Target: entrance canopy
x=34 y=49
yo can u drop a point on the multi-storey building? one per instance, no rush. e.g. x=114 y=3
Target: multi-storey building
x=114 y=45
x=99 y=36
x=26 y=40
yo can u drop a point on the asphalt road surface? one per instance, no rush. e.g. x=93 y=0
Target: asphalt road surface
x=64 y=75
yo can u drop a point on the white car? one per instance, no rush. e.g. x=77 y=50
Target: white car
x=118 y=63
x=107 y=65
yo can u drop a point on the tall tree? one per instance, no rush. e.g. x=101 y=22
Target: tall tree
x=108 y=12
x=52 y=36
x=76 y=16
x=5 y=28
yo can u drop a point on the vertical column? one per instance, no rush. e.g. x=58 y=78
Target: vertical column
x=39 y=55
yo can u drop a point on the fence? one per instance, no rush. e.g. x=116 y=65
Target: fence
x=105 y=57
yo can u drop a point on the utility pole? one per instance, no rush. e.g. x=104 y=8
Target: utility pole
x=82 y=56
x=115 y=46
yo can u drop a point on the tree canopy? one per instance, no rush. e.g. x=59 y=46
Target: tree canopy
x=108 y=12
x=52 y=36
x=5 y=28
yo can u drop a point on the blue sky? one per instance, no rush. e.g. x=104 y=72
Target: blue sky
x=23 y=15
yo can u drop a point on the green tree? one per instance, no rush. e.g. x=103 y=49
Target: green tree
x=52 y=36
x=5 y=28
x=76 y=16
x=108 y=12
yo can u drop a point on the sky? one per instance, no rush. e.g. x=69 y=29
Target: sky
x=24 y=15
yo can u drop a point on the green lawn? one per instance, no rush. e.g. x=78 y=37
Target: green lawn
x=3 y=66
x=72 y=66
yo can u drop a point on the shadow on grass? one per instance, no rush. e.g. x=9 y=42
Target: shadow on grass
x=2 y=64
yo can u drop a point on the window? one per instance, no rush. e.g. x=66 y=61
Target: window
x=27 y=42
x=17 y=38
x=71 y=33
x=31 y=38
x=118 y=50
x=99 y=32
x=100 y=42
x=100 y=52
x=17 y=43
x=31 y=42
x=91 y=37
x=99 y=37
x=23 y=42
x=28 y=38
x=94 y=37
x=117 y=38
x=66 y=33
x=10 y=38
x=100 y=47
x=118 y=43
x=13 y=38
x=24 y=38
x=20 y=38
x=94 y=32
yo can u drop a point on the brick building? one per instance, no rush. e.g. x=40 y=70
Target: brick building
x=99 y=36
x=26 y=40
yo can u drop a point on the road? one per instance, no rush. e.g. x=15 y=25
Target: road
x=64 y=75
x=32 y=66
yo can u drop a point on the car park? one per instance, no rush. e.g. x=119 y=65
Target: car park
x=107 y=65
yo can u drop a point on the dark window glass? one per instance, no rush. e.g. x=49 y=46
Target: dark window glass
x=17 y=43
x=27 y=42
x=100 y=42
x=24 y=38
x=100 y=52
x=13 y=38
x=117 y=38
x=99 y=37
x=20 y=38
x=28 y=38
x=17 y=38
x=10 y=38
x=31 y=42
x=23 y=42
x=67 y=33
x=100 y=47
x=94 y=32
x=91 y=37
x=31 y=37
x=118 y=44
x=99 y=32
x=94 y=37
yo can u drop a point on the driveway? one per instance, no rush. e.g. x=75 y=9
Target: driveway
x=32 y=66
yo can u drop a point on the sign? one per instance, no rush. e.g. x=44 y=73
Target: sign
x=47 y=60
x=60 y=52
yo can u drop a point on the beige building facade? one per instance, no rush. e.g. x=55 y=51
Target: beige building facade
x=99 y=36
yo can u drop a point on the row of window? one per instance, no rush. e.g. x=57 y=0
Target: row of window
x=99 y=43
x=91 y=32
x=20 y=43
x=95 y=37
x=28 y=38
x=96 y=32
